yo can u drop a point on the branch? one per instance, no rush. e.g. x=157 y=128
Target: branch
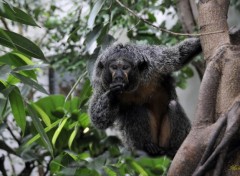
x=162 y=29
x=185 y=15
x=5 y=24
x=14 y=137
x=232 y=123
x=2 y=168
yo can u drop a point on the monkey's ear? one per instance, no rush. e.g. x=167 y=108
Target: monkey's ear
x=143 y=65
x=100 y=65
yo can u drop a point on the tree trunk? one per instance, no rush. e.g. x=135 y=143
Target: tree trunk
x=212 y=146
x=188 y=13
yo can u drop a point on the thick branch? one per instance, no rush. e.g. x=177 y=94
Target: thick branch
x=213 y=17
x=186 y=16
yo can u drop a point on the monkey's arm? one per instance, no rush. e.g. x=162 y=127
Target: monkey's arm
x=103 y=110
x=169 y=59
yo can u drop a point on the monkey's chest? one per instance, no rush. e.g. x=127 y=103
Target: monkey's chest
x=145 y=108
x=151 y=96
x=153 y=99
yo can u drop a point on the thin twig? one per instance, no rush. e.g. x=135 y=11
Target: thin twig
x=162 y=29
x=134 y=26
x=75 y=85
x=5 y=24
x=14 y=137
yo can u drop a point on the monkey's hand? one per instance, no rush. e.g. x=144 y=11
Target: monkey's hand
x=116 y=88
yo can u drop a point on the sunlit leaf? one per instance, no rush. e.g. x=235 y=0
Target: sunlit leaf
x=47 y=129
x=58 y=131
x=43 y=115
x=137 y=168
x=94 y=12
x=84 y=120
x=38 y=125
x=72 y=136
x=110 y=172
x=92 y=36
x=50 y=104
x=17 y=107
x=29 y=82
x=73 y=155
x=18 y=60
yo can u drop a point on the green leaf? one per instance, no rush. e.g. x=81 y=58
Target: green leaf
x=17 y=107
x=29 y=67
x=95 y=10
x=3 y=105
x=151 y=17
x=109 y=171
x=16 y=14
x=72 y=154
x=20 y=43
x=72 y=136
x=18 y=60
x=85 y=93
x=47 y=129
x=84 y=120
x=103 y=33
x=29 y=82
x=43 y=115
x=3 y=85
x=38 y=125
x=4 y=70
x=5 y=90
x=159 y=164
x=50 y=104
x=138 y=168
x=59 y=129
x=92 y=36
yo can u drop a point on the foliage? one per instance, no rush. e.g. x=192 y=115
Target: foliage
x=56 y=134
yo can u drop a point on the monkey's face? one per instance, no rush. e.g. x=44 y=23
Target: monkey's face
x=119 y=70
x=120 y=75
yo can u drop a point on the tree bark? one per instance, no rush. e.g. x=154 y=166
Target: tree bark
x=187 y=12
x=213 y=143
x=185 y=15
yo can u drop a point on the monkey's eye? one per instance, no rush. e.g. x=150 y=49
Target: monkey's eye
x=125 y=67
x=114 y=67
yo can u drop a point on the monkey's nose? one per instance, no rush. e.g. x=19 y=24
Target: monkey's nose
x=118 y=79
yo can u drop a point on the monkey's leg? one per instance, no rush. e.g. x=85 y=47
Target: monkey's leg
x=137 y=130
x=233 y=124
x=179 y=125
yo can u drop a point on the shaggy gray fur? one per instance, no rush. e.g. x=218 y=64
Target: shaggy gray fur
x=132 y=120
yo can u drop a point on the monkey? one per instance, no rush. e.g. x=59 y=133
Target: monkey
x=134 y=93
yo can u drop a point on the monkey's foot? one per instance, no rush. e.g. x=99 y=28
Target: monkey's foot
x=154 y=150
x=232 y=123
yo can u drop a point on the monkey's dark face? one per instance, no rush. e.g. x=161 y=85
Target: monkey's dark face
x=120 y=75
x=119 y=70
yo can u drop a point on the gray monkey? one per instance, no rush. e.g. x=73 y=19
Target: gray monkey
x=134 y=93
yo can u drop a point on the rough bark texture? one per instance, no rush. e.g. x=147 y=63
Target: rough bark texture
x=213 y=17
x=212 y=146
x=188 y=14
x=185 y=15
